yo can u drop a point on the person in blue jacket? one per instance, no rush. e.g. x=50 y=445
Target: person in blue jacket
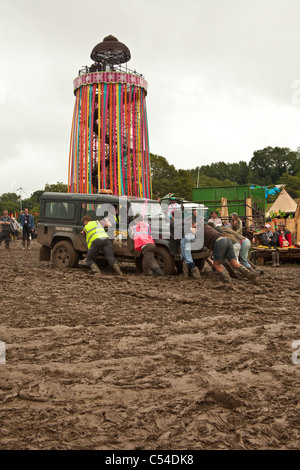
x=27 y=225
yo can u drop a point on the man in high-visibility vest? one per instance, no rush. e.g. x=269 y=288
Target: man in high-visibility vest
x=144 y=242
x=97 y=240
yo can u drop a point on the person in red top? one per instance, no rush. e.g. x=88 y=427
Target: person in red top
x=144 y=242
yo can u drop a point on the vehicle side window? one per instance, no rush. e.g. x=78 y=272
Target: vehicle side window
x=98 y=211
x=91 y=210
x=60 y=210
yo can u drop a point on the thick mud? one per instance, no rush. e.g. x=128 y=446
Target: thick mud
x=132 y=362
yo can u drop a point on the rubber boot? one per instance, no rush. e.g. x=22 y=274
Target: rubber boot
x=28 y=244
x=230 y=269
x=274 y=258
x=196 y=273
x=117 y=268
x=185 y=269
x=159 y=272
x=95 y=268
x=225 y=276
x=250 y=275
x=253 y=271
x=277 y=258
x=23 y=244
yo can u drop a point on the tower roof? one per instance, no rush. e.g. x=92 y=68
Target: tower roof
x=111 y=51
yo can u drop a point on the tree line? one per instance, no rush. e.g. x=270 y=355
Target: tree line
x=268 y=167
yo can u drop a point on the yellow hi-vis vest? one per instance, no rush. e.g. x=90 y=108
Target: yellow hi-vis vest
x=93 y=231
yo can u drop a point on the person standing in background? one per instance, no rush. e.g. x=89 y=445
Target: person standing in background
x=27 y=224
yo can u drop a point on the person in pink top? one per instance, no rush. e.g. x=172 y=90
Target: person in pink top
x=144 y=242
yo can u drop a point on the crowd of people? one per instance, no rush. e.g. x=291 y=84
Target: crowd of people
x=225 y=240
x=13 y=229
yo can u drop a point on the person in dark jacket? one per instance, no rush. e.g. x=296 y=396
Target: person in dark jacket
x=27 y=225
x=5 y=222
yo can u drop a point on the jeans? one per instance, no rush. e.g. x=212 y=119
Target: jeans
x=245 y=247
x=223 y=249
x=186 y=251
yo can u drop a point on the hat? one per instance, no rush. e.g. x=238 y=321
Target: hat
x=281 y=223
x=235 y=214
x=268 y=225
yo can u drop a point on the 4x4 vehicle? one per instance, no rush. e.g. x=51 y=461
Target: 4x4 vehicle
x=60 y=225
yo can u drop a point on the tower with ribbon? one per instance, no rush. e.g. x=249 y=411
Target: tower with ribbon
x=109 y=147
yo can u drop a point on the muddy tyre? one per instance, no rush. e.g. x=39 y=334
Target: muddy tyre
x=45 y=253
x=164 y=259
x=64 y=255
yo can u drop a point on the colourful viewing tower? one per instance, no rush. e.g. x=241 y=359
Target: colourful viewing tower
x=109 y=148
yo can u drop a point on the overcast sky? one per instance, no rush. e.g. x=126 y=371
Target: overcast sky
x=223 y=78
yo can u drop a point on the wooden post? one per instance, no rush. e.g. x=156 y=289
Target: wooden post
x=290 y=225
x=249 y=214
x=297 y=223
x=224 y=210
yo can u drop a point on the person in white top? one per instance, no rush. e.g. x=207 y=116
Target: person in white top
x=214 y=218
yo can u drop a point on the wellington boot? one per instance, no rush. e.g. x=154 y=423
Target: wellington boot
x=245 y=272
x=225 y=276
x=28 y=244
x=196 y=273
x=159 y=272
x=256 y=273
x=277 y=258
x=185 y=269
x=274 y=258
x=95 y=268
x=117 y=268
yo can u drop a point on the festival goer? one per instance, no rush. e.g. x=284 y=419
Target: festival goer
x=5 y=222
x=268 y=238
x=284 y=236
x=27 y=225
x=241 y=245
x=189 y=237
x=236 y=223
x=214 y=218
x=222 y=249
x=97 y=240
x=144 y=243
x=15 y=228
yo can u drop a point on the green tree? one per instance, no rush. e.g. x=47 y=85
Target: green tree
x=9 y=201
x=267 y=165
x=56 y=188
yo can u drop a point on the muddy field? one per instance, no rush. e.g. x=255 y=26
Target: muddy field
x=123 y=363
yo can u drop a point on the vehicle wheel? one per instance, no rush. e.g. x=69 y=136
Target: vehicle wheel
x=64 y=255
x=164 y=259
x=200 y=263
x=45 y=253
